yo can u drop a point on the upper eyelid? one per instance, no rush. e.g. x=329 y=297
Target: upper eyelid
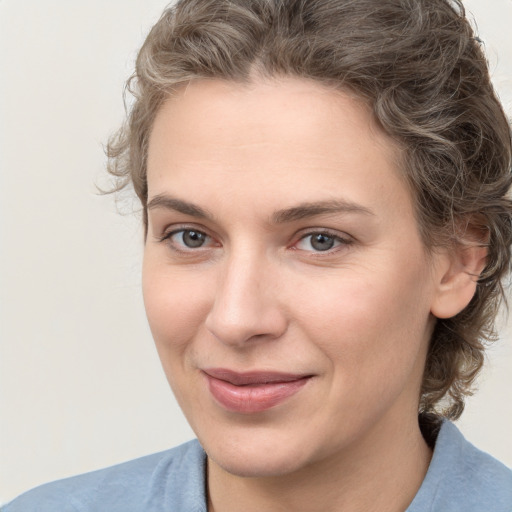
x=183 y=230
x=299 y=235
x=341 y=235
x=344 y=240
x=176 y=228
x=180 y=248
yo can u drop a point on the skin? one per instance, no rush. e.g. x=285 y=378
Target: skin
x=257 y=295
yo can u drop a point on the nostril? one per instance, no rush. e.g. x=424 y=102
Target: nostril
x=244 y=309
x=238 y=330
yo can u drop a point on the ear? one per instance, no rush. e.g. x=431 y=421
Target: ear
x=457 y=271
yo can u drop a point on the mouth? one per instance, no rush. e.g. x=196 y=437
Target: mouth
x=252 y=392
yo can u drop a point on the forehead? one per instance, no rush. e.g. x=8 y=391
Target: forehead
x=295 y=133
x=242 y=111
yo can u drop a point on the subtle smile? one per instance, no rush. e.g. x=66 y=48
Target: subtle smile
x=252 y=392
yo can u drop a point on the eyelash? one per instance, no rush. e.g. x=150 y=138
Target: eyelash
x=338 y=240
x=167 y=238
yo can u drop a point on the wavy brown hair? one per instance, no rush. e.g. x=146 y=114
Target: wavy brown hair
x=418 y=64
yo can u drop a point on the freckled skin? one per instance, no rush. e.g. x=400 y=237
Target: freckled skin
x=258 y=295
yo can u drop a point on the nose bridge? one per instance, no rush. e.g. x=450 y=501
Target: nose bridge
x=245 y=304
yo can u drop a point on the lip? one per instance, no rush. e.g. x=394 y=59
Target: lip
x=252 y=392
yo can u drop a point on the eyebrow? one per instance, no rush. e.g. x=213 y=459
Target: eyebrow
x=172 y=203
x=299 y=212
x=306 y=210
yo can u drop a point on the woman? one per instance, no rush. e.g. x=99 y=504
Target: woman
x=324 y=186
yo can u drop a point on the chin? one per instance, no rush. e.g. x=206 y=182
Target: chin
x=257 y=458
x=256 y=467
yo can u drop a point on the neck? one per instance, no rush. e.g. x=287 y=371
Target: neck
x=382 y=473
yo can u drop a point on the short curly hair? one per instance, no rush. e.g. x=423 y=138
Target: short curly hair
x=419 y=66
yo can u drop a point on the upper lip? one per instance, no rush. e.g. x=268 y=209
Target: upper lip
x=253 y=377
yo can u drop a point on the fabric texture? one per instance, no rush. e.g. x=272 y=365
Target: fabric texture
x=460 y=478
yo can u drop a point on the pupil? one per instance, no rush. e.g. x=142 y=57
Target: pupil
x=322 y=242
x=193 y=238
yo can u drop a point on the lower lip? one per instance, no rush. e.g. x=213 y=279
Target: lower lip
x=253 y=398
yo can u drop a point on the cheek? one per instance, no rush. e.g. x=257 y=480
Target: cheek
x=372 y=326
x=176 y=306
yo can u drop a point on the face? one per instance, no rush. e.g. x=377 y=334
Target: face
x=285 y=282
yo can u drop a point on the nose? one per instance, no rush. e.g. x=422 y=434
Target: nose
x=246 y=306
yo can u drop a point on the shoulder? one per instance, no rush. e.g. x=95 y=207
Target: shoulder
x=169 y=480
x=463 y=478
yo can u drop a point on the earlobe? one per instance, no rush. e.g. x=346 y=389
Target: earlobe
x=459 y=270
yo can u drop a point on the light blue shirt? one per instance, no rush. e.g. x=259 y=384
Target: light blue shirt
x=460 y=478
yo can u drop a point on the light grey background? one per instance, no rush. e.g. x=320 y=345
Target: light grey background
x=80 y=383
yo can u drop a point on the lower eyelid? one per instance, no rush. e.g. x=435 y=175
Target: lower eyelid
x=339 y=243
x=180 y=247
x=210 y=242
x=182 y=232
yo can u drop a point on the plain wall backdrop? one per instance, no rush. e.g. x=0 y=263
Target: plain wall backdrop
x=80 y=383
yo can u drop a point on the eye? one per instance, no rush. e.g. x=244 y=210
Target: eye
x=320 y=242
x=188 y=239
